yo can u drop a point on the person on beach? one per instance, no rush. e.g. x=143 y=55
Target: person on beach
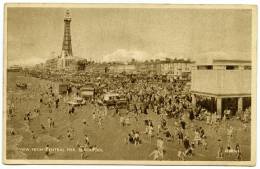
x=156 y=154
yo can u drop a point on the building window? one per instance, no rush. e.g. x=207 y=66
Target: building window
x=231 y=67
x=207 y=67
x=247 y=67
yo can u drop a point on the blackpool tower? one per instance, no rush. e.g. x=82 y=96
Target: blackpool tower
x=66 y=45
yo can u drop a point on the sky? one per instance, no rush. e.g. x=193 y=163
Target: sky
x=109 y=34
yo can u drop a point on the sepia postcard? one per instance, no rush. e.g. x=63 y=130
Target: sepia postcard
x=137 y=84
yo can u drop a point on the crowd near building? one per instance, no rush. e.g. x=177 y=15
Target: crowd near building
x=221 y=83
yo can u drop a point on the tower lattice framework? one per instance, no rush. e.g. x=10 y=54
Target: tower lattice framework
x=66 y=45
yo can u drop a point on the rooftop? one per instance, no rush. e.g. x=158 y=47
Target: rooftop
x=222 y=58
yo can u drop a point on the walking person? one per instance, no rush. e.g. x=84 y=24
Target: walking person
x=47 y=151
x=208 y=117
x=180 y=135
x=52 y=123
x=238 y=153
x=160 y=147
x=100 y=121
x=197 y=138
x=86 y=140
x=220 y=153
x=150 y=132
x=136 y=138
x=70 y=133
x=156 y=154
x=94 y=116
x=229 y=134
x=187 y=146
x=83 y=154
x=49 y=120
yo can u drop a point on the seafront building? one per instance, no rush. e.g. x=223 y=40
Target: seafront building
x=172 y=68
x=14 y=68
x=225 y=83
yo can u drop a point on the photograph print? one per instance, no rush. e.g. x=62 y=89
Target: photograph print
x=130 y=84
